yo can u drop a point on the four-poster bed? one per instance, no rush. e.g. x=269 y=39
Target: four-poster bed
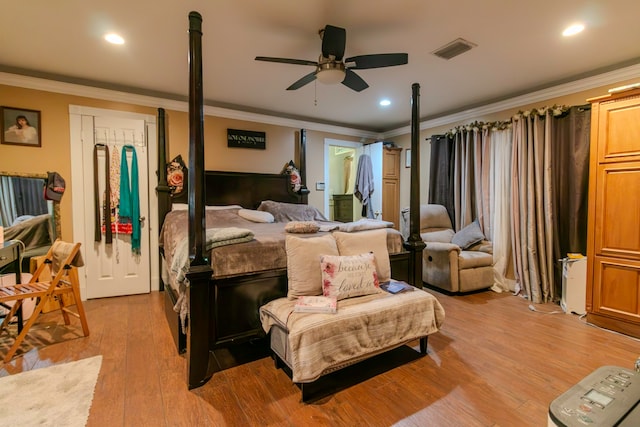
x=223 y=311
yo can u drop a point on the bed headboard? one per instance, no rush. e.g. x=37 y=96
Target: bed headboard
x=245 y=189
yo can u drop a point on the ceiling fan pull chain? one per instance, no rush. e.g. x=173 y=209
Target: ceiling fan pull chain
x=315 y=93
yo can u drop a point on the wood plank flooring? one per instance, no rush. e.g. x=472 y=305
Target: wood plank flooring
x=494 y=363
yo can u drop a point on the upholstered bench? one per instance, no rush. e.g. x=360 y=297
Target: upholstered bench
x=315 y=344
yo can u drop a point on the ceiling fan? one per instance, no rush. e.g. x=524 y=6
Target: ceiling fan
x=331 y=68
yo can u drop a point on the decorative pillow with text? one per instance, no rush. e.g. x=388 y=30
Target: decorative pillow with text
x=349 y=276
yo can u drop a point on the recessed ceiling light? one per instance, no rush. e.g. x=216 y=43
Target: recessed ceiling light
x=573 y=30
x=385 y=103
x=114 y=38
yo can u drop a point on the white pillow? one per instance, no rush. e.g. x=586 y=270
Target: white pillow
x=179 y=207
x=221 y=208
x=303 y=263
x=367 y=241
x=255 y=216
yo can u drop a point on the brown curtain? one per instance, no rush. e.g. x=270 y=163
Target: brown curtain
x=570 y=177
x=441 y=173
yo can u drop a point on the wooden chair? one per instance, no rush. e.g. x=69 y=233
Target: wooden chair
x=60 y=262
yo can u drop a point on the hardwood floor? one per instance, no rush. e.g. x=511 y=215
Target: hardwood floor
x=494 y=363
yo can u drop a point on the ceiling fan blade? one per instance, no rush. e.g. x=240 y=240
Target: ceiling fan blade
x=354 y=81
x=286 y=60
x=378 y=61
x=333 y=42
x=303 y=81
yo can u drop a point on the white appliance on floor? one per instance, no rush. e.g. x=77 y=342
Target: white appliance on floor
x=574 y=285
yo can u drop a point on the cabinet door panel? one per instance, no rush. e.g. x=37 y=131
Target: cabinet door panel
x=617 y=288
x=619 y=131
x=391 y=163
x=391 y=202
x=617 y=222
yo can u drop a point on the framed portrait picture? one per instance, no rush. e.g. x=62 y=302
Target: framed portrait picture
x=20 y=127
x=407 y=158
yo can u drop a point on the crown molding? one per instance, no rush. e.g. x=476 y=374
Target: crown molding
x=611 y=77
x=65 y=88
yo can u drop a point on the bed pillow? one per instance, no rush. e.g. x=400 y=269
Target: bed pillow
x=284 y=212
x=349 y=276
x=367 y=241
x=468 y=236
x=302 y=227
x=256 y=216
x=221 y=207
x=303 y=263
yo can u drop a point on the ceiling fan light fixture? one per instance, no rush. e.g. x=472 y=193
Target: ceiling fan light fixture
x=331 y=72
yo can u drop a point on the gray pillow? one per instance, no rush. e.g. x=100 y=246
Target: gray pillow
x=468 y=236
x=285 y=212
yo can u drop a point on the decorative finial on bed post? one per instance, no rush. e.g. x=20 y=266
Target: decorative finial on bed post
x=414 y=243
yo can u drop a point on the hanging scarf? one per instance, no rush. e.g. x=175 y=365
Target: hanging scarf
x=115 y=182
x=130 y=196
x=106 y=211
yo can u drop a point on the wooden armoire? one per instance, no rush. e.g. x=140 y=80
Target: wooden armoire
x=391 y=185
x=613 y=245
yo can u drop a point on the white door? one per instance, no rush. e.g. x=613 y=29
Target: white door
x=114 y=269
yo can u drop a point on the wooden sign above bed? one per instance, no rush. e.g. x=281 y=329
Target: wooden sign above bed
x=246 y=139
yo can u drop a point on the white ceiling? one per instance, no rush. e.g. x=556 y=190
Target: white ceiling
x=520 y=49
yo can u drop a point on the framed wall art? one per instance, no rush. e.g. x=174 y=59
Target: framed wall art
x=20 y=127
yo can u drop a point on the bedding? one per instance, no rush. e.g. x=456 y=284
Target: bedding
x=267 y=240
x=233 y=260
x=34 y=232
x=283 y=212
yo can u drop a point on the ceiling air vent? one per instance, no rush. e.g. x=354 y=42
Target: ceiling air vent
x=455 y=48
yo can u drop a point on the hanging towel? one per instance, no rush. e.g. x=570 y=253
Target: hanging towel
x=364 y=184
x=130 y=196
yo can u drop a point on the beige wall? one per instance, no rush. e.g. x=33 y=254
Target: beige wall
x=55 y=154
x=578 y=98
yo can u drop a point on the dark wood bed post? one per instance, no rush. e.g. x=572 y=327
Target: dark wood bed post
x=200 y=272
x=303 y=156
x=414 y=243
x=163 y=190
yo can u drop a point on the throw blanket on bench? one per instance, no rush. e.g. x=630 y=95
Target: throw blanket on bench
x=320 y=343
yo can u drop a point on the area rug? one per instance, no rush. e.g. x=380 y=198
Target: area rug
x=58 y=395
